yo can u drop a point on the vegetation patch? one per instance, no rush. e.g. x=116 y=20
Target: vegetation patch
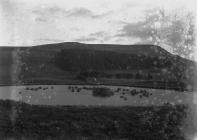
x=33 y=122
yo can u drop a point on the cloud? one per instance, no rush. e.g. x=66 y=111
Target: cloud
x=79 y=12
x=50 y=40
x=9 y=6
x=100 y=36
x=39 y=19
x=104 y=36
x=102 y=15
x=48 y=10
x=86 y=39
x=144 y=29
x=45 y=14
x=84 y=12
x=139 y=29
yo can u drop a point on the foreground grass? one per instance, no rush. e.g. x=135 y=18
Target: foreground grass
x=23 y=121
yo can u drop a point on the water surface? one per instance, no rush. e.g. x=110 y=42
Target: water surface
x=82 y=95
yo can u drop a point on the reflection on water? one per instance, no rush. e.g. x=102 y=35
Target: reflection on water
x=82 y=95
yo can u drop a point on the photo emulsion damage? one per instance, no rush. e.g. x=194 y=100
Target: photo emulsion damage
x=98 y=70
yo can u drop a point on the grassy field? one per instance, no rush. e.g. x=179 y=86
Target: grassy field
x=31 y=122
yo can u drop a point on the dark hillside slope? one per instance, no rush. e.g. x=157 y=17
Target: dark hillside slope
x=89 y=59
x=77 y=63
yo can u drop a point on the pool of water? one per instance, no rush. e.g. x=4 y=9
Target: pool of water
x=82 y=95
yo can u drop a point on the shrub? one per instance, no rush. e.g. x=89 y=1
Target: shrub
x=102 y=92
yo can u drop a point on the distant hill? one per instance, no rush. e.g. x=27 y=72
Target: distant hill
x=77 y=63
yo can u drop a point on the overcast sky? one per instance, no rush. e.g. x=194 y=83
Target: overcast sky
x=33 y=22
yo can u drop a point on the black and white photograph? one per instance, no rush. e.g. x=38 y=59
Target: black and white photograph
x=98 y=70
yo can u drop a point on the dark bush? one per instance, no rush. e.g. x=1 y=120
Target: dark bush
x=102 y=92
